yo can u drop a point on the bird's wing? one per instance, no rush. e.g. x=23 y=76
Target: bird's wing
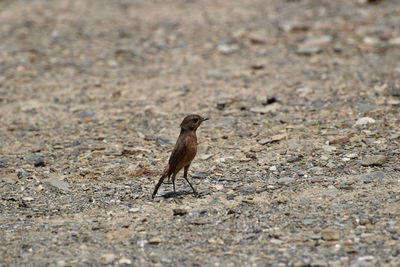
x=177 y=155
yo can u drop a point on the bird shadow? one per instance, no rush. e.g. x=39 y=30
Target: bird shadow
x=178 y=194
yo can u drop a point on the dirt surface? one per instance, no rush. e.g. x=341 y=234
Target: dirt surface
x=297 y=166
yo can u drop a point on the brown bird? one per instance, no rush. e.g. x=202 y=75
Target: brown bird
x=184 y=151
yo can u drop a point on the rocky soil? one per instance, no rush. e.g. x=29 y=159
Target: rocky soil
x=297 y=166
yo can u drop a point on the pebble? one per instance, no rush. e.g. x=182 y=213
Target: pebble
x=328 y=148
x=155 y=241
x=319 y=263
x=308 y=50
x=318 y=41
x=339 y=140
x=247 y=190
x=61 y=185
x=179 y=212
x=294 y=159
x=227 y=49
x=38 y=161
x=273 y=168
x=124 y=261
x=362 y=107
x=163 y=140
x=330 y=234
x=394 y=90
x=221 y=104
x=365 y=120
x=10 y=178
x=294 y=26
x=376 y=160
x=285 y=180
x=372 y=176
x=274 y=138
x=266 y=109
x=108 y=258
x=3 y=162
x=206 y=156
x=352 y=156
x=84 y=114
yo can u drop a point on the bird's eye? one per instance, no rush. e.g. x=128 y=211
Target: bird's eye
x=196 y=120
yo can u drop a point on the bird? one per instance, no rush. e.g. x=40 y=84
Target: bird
x=183 y=153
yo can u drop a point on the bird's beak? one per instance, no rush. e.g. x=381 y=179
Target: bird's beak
x=205 y=119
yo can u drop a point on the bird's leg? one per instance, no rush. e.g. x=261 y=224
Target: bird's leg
x=185 y=171
x=173 y=183
x=158 y=186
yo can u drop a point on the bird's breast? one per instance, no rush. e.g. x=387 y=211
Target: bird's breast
x=191 y=148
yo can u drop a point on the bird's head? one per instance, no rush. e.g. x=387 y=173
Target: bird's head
x=192 y=122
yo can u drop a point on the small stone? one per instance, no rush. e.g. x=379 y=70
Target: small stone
x=10 y=178
x=227 y=49
x=248 y=201
x=308 y=50
x=3 y=162
x=393 y=90
x=27 y=198
x=372 y=176
x=366 y=258
x=155 y=241
x=394 y=41
x=264 y=141
x=318 y=41
x=273 y=168
x=266 y=109
x=61 y=185
x=212 y=241
x=330 y=234
x=179 y=212
x=362 y=107
x=124 y=261
x=319 y=263
x=294 y=26
x=163 y=140
x=285 y=180
x=256 y=66
x=315 y=236
x=247 y=190
x=108 y=258
x=274 y=138
x=84 y=114
x=339 y=140
x=206 y=156
x=365 y=120
x=294 y=159
x=276 y=241
x=218 y=187
x=329 y=148
x=376 y=160
x=221 y=104
x=278 y=137
x=38 y=161
x=149 y=137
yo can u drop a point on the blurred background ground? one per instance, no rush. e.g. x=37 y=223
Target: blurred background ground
x=298 y=165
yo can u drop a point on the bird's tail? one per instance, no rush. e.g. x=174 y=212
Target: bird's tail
x=165 y=174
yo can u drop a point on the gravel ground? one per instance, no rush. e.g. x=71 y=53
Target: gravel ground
x=297 y=166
